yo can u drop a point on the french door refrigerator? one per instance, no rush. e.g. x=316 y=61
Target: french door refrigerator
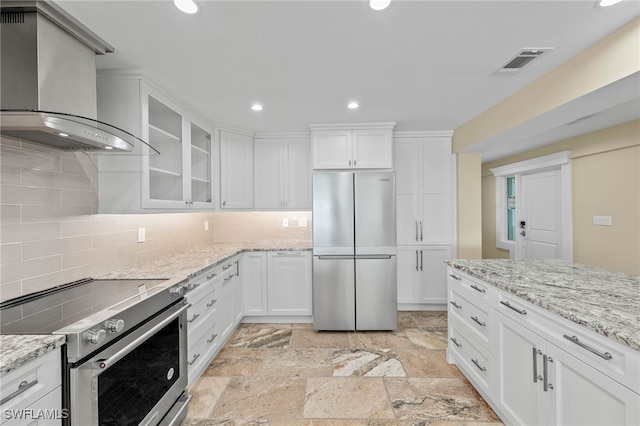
x=354 y=251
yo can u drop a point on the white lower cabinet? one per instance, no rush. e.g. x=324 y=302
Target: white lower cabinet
x=289 y=283
x=422 y=276
x=32 y=393
x=254 y=283
x=534 y=367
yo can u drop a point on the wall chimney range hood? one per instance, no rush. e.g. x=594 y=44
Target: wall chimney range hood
x=48 y=81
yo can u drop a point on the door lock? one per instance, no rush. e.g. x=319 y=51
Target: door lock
x=523 y=233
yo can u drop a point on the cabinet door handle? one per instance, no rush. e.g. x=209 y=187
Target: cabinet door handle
x=349 y=163
x=574 y=339
x=354 y=163
x=421 y=261
x=416 y=260
x=213 y=337
x=477 y=321
x=545 y=383
x=237 y=268
x=453 y=302
x=536 y=352
x=455 y=277
x=420 y=230
x=224 y=203
x=477 y=363
x=193 y=319
x=210 y=277
x=228 y=278
x=508 y=305
x=22 y=387
x=455 y=342
x=416 y=230
x=224 y=268
x=195 y=357
x=213 y=302
x=475 y=287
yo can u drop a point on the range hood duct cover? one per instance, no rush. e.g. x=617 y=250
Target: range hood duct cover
x=48 y=80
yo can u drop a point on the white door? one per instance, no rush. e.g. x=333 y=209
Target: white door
x=539 y=232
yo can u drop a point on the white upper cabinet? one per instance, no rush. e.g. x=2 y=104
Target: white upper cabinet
x=424 y=212
x=283 y=173
x=352 y=146
x=236 y=170
x=180 y=177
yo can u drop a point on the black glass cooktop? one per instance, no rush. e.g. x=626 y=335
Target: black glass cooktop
x=51 y=310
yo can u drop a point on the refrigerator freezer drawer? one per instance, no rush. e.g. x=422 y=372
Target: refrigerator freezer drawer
x=333 y=294
x=376 y=294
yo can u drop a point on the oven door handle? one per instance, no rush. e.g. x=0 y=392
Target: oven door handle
x=103 y=364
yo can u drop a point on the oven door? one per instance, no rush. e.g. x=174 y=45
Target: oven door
x=138 y=379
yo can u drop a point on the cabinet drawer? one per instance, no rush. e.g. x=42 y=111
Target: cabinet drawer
x=203 y=325
x=203 y=306
x=201 y=350
x=476 y=318
x=474 y=290
x=50 y=405
x=611 y=358
x=37 y=377
x=475 y=361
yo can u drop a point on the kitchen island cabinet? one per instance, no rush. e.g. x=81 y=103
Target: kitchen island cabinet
x=543 y=343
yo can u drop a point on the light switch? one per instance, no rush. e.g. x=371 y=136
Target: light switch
x=142 y=235
x=603 y=220
x=206 y=225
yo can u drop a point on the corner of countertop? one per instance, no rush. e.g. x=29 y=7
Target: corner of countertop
x=17 y=350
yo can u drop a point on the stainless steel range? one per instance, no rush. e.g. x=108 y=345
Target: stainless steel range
x=124 y=361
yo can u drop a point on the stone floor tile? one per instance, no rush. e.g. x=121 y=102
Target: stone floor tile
x=427 y=363
x=430 y=319
x=309 y=338
x=367 y=363
x=266 y=337
x=236 y=362
x=436 y=399
x=428 y=339
x=297 y=363
x=378 y=340
x=205 y=395
x=346 y=398
x=261 y=399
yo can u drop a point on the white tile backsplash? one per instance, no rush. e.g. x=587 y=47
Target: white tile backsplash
x=50 y=233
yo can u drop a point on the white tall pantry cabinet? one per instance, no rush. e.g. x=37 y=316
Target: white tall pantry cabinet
x=425 y=211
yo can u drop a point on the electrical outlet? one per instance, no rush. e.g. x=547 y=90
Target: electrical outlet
x=285 y=223
x=142 y=235
x=302 y=223
x=206 y=225
x=603 y=220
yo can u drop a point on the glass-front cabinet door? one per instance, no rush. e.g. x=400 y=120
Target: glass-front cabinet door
x=180 y=177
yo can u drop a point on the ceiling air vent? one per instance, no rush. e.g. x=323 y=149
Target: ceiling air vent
x=522 y=58
x=12 y=18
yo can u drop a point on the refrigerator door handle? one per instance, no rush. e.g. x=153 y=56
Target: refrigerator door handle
x=373 y=256
x=335 y=257
x=420 y=230
x=416 y=260
x=416 y=230
x=421 y=260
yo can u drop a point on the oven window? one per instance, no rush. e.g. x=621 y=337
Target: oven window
x=129 y=389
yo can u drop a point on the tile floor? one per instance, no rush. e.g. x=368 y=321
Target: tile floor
x=289 y=374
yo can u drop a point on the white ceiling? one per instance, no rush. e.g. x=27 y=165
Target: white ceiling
x=427 y=65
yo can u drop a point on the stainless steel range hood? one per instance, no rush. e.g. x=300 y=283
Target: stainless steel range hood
x=48 y=81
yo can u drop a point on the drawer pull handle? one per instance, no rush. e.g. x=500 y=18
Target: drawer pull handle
x=453 y=302
x=577 y=341
x=212 y=338
x=289 y=254
x=536 y=377
x=477 y=321
x=545 y=384
x=455 y=277
x=228 y=278
x=213 y=302
x=212 y=276
x=455 y=342
x=22 y=387
x=193 y=319
x=508 y=305
x=477 y=364
x=194 y=286
x=224 y=268
x=195 y=357
x=481 y=290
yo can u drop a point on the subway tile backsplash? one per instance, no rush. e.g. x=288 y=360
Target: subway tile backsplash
x=51 y=234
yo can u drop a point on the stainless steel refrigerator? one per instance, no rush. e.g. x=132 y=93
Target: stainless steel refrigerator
x=354 y=251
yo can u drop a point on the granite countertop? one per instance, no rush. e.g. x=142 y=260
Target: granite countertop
x=17 y=350
x=194 y=261
x=603 y=301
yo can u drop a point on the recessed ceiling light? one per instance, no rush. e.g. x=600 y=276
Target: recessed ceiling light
x=353 y=105
x=607 y=3
x=187 y=6
x=64 y=135
x=108 y=147
x=256 y=107
x=379 y=4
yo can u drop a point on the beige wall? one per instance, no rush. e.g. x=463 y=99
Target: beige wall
x=50 y=233
x=469 y=199
x=605 y=182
